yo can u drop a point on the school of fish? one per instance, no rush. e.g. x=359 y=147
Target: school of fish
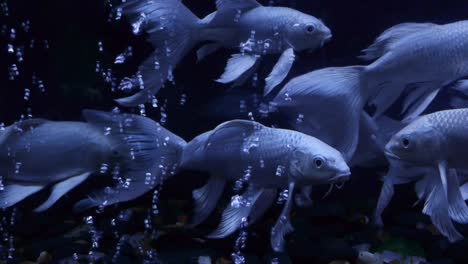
x=343 y=113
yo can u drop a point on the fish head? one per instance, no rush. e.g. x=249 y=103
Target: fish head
x=318 y=163
x=307 y=33
x=418 y=143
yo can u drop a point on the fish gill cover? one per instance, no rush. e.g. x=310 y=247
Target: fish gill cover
x=233 y=131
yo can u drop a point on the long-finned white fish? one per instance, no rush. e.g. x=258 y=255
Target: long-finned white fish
x=439 y=142
x=273 y=158
x=238 y=24
x=36 y=154
x=419 y=57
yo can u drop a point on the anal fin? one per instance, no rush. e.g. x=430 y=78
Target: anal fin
x=14 y=193
x=61 y=189
x=253 y=205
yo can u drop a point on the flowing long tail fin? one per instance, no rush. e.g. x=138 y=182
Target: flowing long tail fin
x=172 y=28
x=148 y=154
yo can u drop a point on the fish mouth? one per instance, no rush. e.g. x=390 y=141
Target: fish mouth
x=392 y=155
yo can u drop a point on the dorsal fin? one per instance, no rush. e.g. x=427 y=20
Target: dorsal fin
x=21 y=126
x=227 y=10
x=383 y=43
x=243 y=5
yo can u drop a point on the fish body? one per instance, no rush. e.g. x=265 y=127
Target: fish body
x=245 y=25
x=266 y=159
x=53 y=151
x=419 y=57
x=37 y=154
x=437 y=142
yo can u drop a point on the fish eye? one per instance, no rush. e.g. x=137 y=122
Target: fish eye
x=318 y=163
x=310 y=29
x=405 y=142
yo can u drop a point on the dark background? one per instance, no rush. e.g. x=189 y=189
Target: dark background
x=67 y=68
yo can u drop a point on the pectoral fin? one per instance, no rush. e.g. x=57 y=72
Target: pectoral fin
x=254 y=204
x=457 y=207
x=282 y=226
x=385 y=197
x=61 y=189
x=280 y=71
x=237 y=65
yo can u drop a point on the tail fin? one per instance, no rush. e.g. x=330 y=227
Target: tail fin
x=148 y=154
x=172 y=28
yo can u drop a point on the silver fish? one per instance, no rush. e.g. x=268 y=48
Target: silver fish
x=438 y=142
x=36 y=154
x=239 y=24
x=274 y=158
x=419 y=57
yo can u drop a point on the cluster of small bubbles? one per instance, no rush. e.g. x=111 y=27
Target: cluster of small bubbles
x=100 y=47
x=183 y=100
x=142 y=109
x=251 y=116
x=4 y=8
x=107 y=131
x=249 y=45
x=12 y=33
x=262 y=163
x=104 y=168
x=287 y=97
x=280 y=170
x=122 y=57
x=95 y=236
x=32 y=43
x=29 y=113
x=98 y=66
x=237 y=256
x=170 y=75
x=26 y=26
x=118 y=248
x=11 y=247
x=118 y=13
x=255 y=80
x=150 y=257
x=19 y=53
x=242 y=106
x=239 y=184
x=150 y=179
x=124 y=183
x=267 y=43
x=236 y=201
x=283 y=197
x=163 y=113
x=46 y=44
x=18 y=165
x=126 y=84
x=13 y=72
x=2 y=186
x=27 y=94
x=10 y=48
x=237 y=16
x=250 y=143
x=157 y=65
x=155 y=201
x=154 y=101
x=300 y=119
x=137 y=25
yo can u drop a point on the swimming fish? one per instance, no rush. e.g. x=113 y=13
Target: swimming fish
x=246 y=25
x=36 y=154
x=273 y=158
x=334 y=117
x=420 y=58
x=437 y=141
